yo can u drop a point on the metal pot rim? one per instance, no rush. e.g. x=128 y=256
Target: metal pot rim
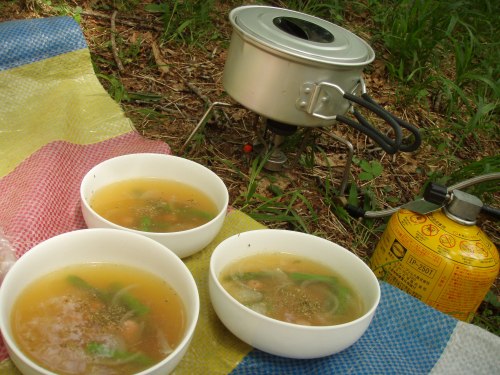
x=316 y=40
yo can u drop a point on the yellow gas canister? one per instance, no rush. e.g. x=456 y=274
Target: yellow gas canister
x=442 y=258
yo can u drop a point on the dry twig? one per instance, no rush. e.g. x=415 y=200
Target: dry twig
x=203 y=97
x=140 y=25
x=113 y=42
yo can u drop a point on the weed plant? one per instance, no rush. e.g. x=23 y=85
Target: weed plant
x=446 y=50
x=280 y=207
x=186 y=21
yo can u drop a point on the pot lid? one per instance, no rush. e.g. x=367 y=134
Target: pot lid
x=301 y=35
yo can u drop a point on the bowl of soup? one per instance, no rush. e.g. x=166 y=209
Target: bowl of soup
x=98 y=301
x=292 y=294
x=175 y=201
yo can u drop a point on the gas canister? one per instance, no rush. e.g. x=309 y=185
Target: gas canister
x=442 y=258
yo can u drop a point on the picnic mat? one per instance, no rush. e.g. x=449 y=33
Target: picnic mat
x=56 y=122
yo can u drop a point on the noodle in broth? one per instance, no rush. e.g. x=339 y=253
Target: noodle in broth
x=153 y=205
x=292 y=289
x=98 y=318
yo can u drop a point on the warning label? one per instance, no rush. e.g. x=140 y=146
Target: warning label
x=429 y=230
x=447 y=241
x=446 y=265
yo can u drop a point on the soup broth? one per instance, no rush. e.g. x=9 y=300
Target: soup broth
x=98 y=319
x=154 y=205
x=292 y=289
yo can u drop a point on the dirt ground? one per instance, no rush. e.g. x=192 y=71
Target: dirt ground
x=166 y=87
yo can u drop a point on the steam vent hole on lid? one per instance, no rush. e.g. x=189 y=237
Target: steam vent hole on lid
x=303 y=29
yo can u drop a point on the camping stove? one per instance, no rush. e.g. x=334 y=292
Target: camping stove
x=295 y=70
x=270 y=135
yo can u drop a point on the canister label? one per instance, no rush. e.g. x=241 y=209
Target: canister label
x=447 y=265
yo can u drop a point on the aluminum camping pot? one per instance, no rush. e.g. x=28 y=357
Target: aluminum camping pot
x=301 y=70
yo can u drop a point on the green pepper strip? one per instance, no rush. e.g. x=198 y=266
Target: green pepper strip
x=82 y=284
x=145 y=224
x=190 y=211
x=134 y=304
x=341 y=291
x=297 y=276
x=127 y=299
x=98 y=349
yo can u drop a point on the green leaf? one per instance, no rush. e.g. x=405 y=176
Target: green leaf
x=365 y=176
x=365 y=165
x=183 y=26
x=276 y=190
x=353 y=195
x=156 y=8
x=492 y=299
x=377 y=168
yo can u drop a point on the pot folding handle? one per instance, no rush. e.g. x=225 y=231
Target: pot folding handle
x=391 y=146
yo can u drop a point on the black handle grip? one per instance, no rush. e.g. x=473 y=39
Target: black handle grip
x=382 y=113
x=391 y=146
x=364 y=127
x=354 y=211
x=417 y=139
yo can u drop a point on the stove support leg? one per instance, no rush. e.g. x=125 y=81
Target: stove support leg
x=347 y=167
x=203 y=121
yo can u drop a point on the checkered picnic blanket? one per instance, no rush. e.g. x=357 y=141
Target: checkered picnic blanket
x=56 y=122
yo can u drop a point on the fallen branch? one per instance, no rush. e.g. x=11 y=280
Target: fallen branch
x=113 y=43
x=197 y=91
x=91 y=13
x=203 y=97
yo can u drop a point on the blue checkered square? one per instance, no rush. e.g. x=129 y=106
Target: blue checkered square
x=27 y=41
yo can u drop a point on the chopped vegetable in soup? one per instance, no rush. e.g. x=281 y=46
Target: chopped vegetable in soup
x=292 y=289
x=98 y=319
x=154 y=205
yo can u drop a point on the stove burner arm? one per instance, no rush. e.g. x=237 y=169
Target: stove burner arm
x=202 y=122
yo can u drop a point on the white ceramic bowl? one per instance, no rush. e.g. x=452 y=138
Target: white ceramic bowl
x=99 y=245
x=278 y=337
x=161 y=166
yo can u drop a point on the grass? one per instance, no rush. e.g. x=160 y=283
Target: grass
x=445 y=49
x=489 y=318
x=186 y=21
x=276 y=205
